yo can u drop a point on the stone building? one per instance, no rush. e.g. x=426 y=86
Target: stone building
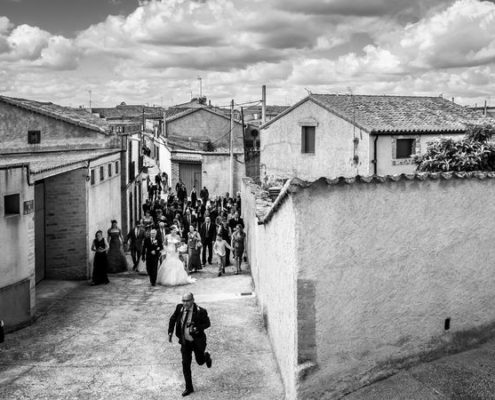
x=343 y=135
x=359 y=277
x=199 y=140
x=60 y=181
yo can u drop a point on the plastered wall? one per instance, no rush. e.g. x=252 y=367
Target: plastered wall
x=273 y=264
x=388 y=264
x=334 y=147
x=17 y=249
x=55 y=135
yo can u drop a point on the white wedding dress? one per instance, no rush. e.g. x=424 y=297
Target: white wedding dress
x=171 y=271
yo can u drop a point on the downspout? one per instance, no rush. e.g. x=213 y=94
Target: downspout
x=375 y=157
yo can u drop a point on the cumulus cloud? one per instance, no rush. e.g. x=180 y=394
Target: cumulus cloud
x=372 y=46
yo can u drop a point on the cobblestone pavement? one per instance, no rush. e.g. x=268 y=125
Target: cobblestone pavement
x=110 y=342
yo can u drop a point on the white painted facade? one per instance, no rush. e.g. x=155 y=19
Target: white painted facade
x=341 y=148
x=375 y=276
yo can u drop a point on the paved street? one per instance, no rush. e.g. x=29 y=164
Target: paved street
x=110 y=342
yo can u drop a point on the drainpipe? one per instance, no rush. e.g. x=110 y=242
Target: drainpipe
x=375 y=159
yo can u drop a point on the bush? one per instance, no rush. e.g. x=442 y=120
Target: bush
x=474 y=152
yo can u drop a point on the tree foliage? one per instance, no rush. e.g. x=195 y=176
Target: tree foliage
x=474 y=152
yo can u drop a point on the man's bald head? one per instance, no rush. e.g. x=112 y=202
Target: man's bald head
x=187 y=296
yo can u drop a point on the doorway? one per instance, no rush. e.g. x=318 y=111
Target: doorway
x=190 y=174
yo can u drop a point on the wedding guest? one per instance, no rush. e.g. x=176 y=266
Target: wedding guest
x=194 y=197
x=194 y=249
x=116 y=257
x=100 y=262
x=224 y=231
x=135 y=239
x=219 y=248
x=148 y=220
x=238 y=245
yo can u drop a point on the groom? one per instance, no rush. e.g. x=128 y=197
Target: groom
x=190 y=321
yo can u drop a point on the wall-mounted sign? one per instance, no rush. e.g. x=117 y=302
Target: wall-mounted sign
x=28 y=207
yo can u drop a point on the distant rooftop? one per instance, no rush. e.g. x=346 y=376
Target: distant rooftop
x=75 y=116
x=394 y=114
x=132 y=111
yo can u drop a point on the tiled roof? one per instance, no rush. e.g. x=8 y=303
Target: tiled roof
x=197 y=144
x=266 y=208
x=75 y=116
x=129 y=112
x=397 y=114
x=41 y=162
x=270 y=110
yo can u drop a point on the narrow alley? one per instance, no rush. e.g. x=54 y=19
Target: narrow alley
x=110 y=342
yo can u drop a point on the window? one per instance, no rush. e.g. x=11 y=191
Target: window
x=405 y=148
x=102 y=173
x=308 y=139
x=116 y=167
x=34 y=137
x=109 y=170
x=92 y=176
x=11 y=204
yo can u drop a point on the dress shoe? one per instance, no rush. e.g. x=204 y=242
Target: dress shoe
x=187 y=392
x=219 y=274
x=208 y=360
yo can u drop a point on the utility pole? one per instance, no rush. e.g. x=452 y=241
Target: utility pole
x=231 y=186
x=90 y=109
x=200 y=86
x=263 y=104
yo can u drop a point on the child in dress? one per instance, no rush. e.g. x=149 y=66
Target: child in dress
x=219 y=248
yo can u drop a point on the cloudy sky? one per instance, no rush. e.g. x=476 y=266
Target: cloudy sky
x=152 y=52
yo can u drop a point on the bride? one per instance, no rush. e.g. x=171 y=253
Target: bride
x=171 y=271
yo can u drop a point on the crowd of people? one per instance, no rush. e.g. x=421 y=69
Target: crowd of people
x=178 y=234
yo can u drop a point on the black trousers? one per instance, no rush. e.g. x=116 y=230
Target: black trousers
x=208 y=244
x=186 y=349
x=152 y=268
x=136 y=255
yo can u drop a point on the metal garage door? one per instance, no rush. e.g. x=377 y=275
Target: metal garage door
x=190 y=174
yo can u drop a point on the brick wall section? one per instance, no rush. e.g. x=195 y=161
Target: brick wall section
x=66 y=225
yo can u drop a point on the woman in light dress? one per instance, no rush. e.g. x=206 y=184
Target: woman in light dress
x=171 y=271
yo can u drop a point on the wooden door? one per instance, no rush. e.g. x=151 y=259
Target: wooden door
x=190 y=174
x=39 y=230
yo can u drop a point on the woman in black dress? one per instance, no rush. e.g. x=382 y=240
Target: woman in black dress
x=100 y=262
x=116 y=257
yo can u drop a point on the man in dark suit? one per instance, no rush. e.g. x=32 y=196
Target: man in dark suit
x=194 y=197
x=207 y=233
x=152 y=248
x=235 y=220
x=135 y=239
x=190 y=321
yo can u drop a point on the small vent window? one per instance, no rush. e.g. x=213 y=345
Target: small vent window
x=12 y=204
x=34 y=137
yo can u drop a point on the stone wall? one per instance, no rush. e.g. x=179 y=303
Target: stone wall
x=384 y=266
x=334 y=146
x=271 y=252
x=205 y=125
x=56 y=135
x=17 y=268
x=66 y=225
